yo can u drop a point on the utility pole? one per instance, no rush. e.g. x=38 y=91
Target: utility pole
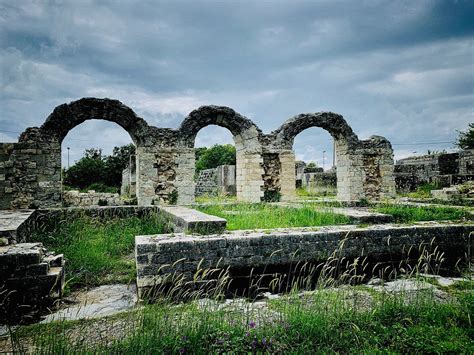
x=68 y=157
x=323 y=159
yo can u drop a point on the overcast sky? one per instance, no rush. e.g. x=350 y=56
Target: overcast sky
x=400 y=69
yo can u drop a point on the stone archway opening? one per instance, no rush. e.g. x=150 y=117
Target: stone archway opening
x=245 y=134
x=315 y=164
x=346 y=143
x=215 y=167
x=98 y=165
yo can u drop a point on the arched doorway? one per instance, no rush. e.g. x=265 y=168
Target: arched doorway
x=49 y=137
x=345 y=141
x=248 y=151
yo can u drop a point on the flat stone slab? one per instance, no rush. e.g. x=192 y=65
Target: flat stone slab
x=11 y=221
x=98 y=302
x=363 y=215
x=193 y=221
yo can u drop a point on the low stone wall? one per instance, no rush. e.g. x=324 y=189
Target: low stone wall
x=320 y=182
x=218 y=181
x=30 y=279
x=91 y=198
x=160 y=258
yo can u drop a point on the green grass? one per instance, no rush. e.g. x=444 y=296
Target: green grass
x=320 y=323
x=215 y=199
x=308 y=193
x=98 y=251
x=263 y=216
x=408 y=214
x=423 y=191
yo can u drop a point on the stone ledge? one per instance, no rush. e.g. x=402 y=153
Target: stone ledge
x=187 y=219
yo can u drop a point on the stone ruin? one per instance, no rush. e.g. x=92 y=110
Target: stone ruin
x=30 y=170
x=442 y=169
x=219 y=181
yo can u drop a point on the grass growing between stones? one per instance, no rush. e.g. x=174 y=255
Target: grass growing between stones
x=320 y=322
x=265 y=216
x=407 y=213
x=98 y=251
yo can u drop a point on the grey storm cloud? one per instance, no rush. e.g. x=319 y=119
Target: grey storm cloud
x=400 y=69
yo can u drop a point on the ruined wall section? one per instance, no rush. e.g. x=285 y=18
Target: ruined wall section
x=30 y=172
x=249 y=170
x=377 y=162
x=364 y=168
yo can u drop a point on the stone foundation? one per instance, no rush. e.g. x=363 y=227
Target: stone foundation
x=161 y=258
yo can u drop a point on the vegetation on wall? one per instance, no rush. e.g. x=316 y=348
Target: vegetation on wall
x=97 y=172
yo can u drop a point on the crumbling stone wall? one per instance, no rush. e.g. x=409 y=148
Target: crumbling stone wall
x=207 y=182
x=443 y=169
x=364 y=168
x=217 y=181
x=129 y=180
x=30 y=278
x=30 y=170
x=74 y=198
x=323 y=182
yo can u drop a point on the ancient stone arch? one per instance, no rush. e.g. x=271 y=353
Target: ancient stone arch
x=364 y=168
x=245 y=134
x=67 y=116
x=30 y=169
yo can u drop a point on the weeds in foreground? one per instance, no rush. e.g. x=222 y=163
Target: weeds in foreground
x=98 y=251
x=326 y=320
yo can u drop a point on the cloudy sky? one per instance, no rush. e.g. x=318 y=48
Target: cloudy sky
x=400 y=69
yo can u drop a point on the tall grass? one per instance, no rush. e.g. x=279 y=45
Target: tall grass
x=409 y=213
x=324 y=320
x=265 y=216
x=98 y=251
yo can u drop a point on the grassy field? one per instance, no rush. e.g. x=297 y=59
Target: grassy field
x=408 y=213
x=98 y=251
x=324 y=321
x=263 y=216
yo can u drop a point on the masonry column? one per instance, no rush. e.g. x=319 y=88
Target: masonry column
x=185 y=169
x=287 y=175
x=146 y=175
x=249 y=166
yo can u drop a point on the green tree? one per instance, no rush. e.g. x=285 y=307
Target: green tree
x=88 y=170
x=466 y=138
x=312 y=167
x=115 y=163
x=103 y=172
x=218 y=154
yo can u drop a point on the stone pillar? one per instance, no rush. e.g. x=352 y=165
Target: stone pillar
x=147 y=176
x=287 y=175
x=185 y=169
x=249 y=172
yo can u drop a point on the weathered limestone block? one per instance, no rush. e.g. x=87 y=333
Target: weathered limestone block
x=30 y=277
